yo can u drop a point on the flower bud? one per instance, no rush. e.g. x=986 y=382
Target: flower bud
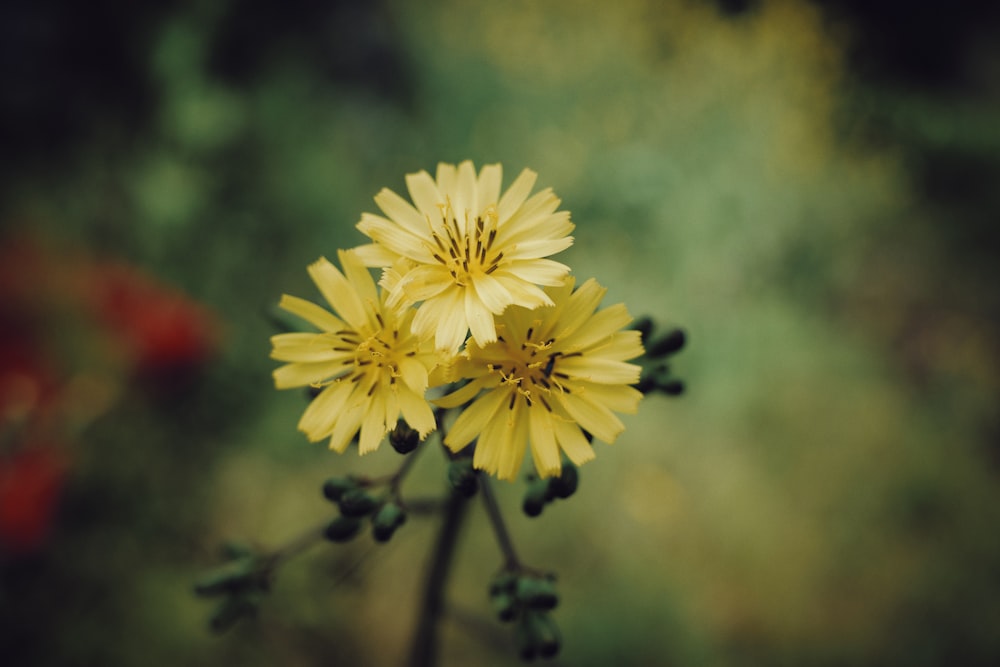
x=233 y=549
x=335 y=487
x=403 y=438
x=386 y=520
x=505 y=607
x=232 y=577
x=537 y=635
x=356 y=503
x=535 y=497
x=566 y=483
x=669 y=344
x=462 y=477
x=505 y=582
x=644 y=325
x=537 y=593
x=342 y=529
x=672 y=388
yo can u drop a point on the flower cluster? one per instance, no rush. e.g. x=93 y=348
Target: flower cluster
x=468 y=300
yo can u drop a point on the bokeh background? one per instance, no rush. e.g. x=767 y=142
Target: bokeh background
x=809 y=188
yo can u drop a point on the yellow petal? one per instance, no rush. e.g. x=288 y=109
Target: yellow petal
x=399 y=210
x=463 y=394
x=572 y=441
x=304 y=374
x=375 y=255
x=395 y=238
x=424 y=193
x=602 y=325
x=357 y=274
x=480 y=318
x=597 y=419
x=473 y=420
x=348 y=421
x=416 y=411
x=488 y=187
x=544 y=449
x=373 y=426
x=596 y=369
x=311 y=313
x=516 y=194
x=339 y=293
x=491 y=293
x=318 y=418
x=538 y=271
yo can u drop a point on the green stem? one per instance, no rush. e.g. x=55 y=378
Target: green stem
x=424 y=646
x=296 y=546
x=511 y=561
x=397 y=479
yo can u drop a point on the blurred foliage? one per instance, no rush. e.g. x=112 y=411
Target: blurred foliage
x=811 y=194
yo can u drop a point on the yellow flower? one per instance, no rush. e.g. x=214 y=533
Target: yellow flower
x=552 y=371
x=370 y=365
x=464 y=250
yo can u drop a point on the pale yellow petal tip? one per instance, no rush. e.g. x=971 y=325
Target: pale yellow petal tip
x=334 y=446
x=548 y=473
x=320 y=262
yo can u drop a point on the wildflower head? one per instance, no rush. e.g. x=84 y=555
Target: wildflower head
x=371 y=368
x=466 y=251
x=553 y=373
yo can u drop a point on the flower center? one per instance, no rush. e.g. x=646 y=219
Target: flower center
x=373 y=355
x=531 y=371
x=466 y=250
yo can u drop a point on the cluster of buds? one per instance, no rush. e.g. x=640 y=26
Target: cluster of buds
x=239 y=584
x=544 y=491
x=356 y=504
x=656 y=375
x=526 y=599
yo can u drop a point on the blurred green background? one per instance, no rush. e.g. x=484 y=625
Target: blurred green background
x=809 y=188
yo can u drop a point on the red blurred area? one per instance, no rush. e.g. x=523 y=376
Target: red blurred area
x=75 y=333
x=31 y=481
x=163 y=331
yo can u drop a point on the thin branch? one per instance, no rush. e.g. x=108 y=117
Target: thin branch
x=295 y=546
x=511 y=561
x=397 y=479
x=424 y=646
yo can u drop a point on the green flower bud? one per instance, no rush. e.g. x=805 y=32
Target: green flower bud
x=231 y=610
x=504 y=582
x=535 y=497
x=672 y=388
x=644 y=325
x=537 y=593
x=232 y=549
x=356 y=502
x=566 y=483
x=537 y=635
x=342 y=529
x=505 y=606
x=386 y=520
x=669 y=344
x=335 y=487
x=462 y=477
x=403 y=438
x=232 y=577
